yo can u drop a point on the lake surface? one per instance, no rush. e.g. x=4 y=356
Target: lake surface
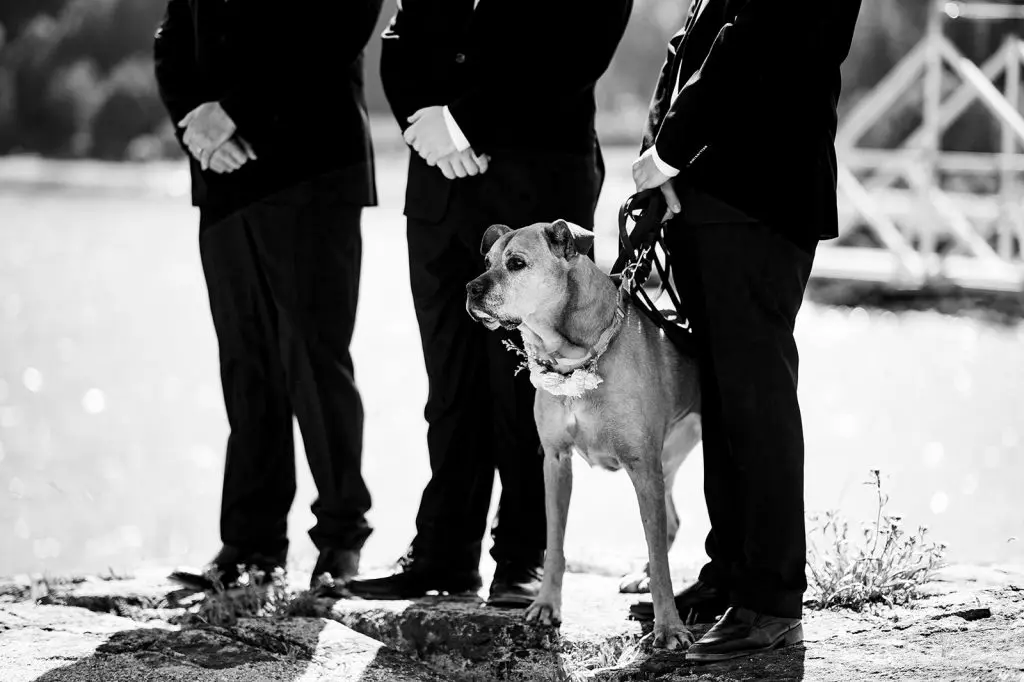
x=112 y=428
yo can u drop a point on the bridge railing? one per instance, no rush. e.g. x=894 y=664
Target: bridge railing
x=930 y=232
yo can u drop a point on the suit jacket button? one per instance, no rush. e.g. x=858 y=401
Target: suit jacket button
x=460 y=58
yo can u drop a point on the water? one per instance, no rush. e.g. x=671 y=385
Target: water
x=112 y=427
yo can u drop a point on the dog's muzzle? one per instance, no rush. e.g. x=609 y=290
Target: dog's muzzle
x=476 y=290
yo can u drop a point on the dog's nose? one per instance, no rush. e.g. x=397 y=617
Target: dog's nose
x=475 y=288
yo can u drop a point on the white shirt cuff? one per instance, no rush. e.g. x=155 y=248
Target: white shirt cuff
x=661 y=165
x=461 y=143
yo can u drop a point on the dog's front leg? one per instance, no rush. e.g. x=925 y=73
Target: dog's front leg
x=648 y=481
x=547 y=608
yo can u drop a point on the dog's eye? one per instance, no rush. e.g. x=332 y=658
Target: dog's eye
x=515 y=263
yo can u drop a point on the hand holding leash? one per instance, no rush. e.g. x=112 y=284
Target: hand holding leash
x=647 y=175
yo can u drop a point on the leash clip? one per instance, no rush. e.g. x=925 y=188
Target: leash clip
x=630 y=271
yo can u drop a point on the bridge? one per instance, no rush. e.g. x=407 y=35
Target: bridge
x=922 y=215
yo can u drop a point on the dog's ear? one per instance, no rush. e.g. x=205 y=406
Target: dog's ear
x=567 y=239
x=493 y=234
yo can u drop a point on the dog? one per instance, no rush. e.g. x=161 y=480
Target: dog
x=611 y=387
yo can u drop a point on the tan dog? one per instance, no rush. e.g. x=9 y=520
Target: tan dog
x=610 y=386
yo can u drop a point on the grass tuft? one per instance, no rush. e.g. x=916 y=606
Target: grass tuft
x=884 y=564
x=257 y=595
x=617 y=653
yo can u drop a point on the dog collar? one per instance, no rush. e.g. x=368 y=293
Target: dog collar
x=578 y=378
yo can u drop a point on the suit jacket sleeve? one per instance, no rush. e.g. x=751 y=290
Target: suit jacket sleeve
x=662 y=96
x=553 y=61
x=177 y=74
x=408 y=57
x=280 y=79
x=763 y=44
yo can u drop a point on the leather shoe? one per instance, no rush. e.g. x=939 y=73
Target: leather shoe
x=742 y=632
x=334 y=568
x=224 y=569
x=697 y=603
x=514 y=585
x=415 y=578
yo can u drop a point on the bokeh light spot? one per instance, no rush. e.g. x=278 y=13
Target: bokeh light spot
x=94 y=401
x=33 y=379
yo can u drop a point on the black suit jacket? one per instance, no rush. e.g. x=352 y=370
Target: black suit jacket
x=291 y=77
x=754 y=120
x=517 y=75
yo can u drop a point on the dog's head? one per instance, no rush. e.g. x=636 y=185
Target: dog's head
x=527 y=272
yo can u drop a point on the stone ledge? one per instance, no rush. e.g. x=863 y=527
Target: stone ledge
x=67 y=644
x=971 y=626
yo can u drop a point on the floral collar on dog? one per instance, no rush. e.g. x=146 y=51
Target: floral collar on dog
x=575 y=380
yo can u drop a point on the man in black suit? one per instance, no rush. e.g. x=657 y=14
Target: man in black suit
x=743 y=123
x=269 y=102
x=497 y=99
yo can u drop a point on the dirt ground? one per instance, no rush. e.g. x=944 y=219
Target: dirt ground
x=970 y=627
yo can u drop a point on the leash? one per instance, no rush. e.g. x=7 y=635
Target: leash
x=638 y=258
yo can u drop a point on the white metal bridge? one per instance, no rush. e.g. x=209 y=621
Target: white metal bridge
x=933 y=221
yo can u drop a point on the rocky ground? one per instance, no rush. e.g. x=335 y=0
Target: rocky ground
x=971 y=626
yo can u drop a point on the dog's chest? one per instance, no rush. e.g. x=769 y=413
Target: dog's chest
x=588 y=437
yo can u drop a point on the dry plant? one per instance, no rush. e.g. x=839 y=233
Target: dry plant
x=256 y=595
x=584 y=663
x=884 y=565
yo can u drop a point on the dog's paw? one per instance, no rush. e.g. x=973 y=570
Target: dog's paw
x=635 y=583
x=672 y=636
x=545 y=611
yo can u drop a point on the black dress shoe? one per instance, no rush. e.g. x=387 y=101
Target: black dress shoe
x=334 y=568
x=742 y=632
x=514 y=585
x=224 y=569
x=698 y=603
x=415 y=578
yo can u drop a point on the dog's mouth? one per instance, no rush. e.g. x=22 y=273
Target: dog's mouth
x=490 y=321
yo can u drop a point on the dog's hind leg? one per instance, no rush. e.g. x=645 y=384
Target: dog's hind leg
x=547 y=608
x=681 y=441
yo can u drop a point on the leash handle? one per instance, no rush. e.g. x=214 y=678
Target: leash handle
x=646 y=208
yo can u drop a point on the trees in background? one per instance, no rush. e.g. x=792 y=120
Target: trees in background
x=76 y=77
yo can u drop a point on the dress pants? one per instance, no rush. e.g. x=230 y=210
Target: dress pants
x=742 y=284
x=283 y=281
x=479 y=414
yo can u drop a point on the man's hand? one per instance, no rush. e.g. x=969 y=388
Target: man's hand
x=207 y=127
x=429 y=135
x=231 y=156
x=646 y=175
x=463 y=164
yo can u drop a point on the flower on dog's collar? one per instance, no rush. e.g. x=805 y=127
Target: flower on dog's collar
x=572 y=384
x=546 y=377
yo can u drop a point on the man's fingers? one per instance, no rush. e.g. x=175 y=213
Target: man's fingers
x=459 y=166
x=247 y=148
x=671 y=198
x=446 y=168
x=218 y=165
x=469 y=164
x=204 y=158
x=232 y=162
x=234 y=153
x=416 y=116
x=188 y=118
x=482 y=162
